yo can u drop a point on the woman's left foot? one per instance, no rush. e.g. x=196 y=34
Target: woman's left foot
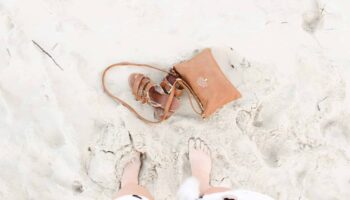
x=131 y=171
x=199 y=155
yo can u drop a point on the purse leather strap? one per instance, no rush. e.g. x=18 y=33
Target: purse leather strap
x=191 y=95
x=172 y=92
x=171 y=80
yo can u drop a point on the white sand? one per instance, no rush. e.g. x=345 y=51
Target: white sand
x=63 y=138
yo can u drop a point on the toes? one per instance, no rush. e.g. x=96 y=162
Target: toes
x=204 y=147
x=132 y=78
x=136 y=158
x=198 y=144
x=192 y=143
x=140 y=157
x=203 y=144
x=137 y=155
x=132 y=161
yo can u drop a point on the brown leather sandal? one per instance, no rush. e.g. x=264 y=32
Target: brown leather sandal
x=168 y=83
x=146 y=91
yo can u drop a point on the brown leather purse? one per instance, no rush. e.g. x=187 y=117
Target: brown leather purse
x=201 y=77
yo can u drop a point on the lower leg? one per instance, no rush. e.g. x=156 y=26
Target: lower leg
x=200 y=160
x=212 y=190
x=131 y=171
x=129 y=180
x=134 y=189
x=199 y=155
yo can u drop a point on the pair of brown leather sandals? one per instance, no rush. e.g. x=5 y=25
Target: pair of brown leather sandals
x=148 y=92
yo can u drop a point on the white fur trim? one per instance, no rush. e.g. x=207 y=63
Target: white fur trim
x=250 y=195
x=237 y=195
x=189 y=190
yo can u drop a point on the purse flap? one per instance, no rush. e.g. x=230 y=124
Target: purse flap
x=208 y=82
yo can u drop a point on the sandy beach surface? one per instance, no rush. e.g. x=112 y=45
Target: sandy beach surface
x=61 y=137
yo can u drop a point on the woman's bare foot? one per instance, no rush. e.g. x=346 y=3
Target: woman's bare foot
x=199 y=155
x=131 y=171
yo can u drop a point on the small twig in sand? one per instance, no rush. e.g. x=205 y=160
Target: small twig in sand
x=131 y=139
x=8 y=52
x=106 y=151
x=54 y=47
x=319 y=102
x=45 y=52
x=323 y=10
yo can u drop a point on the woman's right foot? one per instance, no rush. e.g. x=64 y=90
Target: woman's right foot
x=131 y=171
x=199 y=155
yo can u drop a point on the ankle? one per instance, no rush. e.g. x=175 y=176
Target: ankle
x=129 y=179
x=128 y=183
x=203 y=188
x=203 y=182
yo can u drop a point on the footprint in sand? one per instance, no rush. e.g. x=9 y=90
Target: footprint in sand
x=243 y=120
x=313 y=17
x=337 y=131
x=106 y=154
x=77 y=187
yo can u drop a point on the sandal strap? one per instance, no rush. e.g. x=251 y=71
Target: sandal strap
x=137 y=80
x=146 y=91
x=141 y=93
x=168 y=83
x=168 y=104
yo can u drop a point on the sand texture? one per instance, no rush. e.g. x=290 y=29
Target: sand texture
x=61 y=137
